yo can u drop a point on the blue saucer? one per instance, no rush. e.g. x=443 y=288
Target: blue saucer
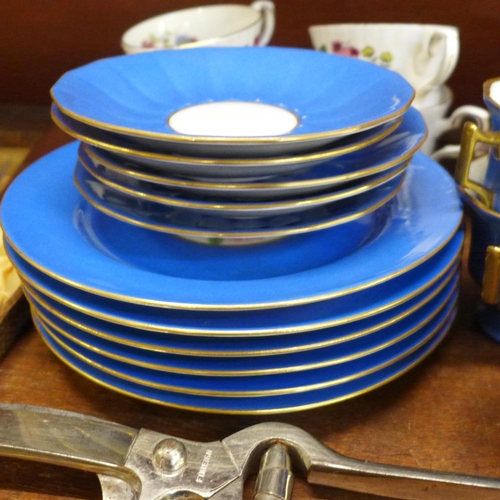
x=227 y=167
x=104 y=183
x=254 y=405
x=392 y=151
x=115 y=259
x=219 y=220
x=330 y=96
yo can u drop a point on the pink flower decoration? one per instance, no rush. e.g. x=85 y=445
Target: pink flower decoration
x=344 y=50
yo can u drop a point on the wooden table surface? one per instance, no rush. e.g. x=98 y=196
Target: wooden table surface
x=444 y=414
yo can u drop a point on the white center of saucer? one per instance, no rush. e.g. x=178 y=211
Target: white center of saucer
x=233 y=119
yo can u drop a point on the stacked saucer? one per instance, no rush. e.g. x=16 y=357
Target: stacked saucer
x=138 y=247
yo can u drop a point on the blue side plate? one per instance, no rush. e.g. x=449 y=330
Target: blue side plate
x=389 y=152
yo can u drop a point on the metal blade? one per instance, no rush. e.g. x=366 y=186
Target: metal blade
x=64 y=438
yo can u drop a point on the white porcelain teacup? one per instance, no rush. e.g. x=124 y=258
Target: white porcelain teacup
x=222 y=25
x=425 y=54
x=434 y=108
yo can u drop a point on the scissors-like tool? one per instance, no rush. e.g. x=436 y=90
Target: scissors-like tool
x=145 y=465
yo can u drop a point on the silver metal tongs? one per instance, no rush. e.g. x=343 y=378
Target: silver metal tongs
x=146 y=465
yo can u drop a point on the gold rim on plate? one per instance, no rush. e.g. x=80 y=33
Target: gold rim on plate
x=189 y=139
x=222 y=333
x=51 y=327
x=268 y=233
x=174 y=182
x=294 y=159
x=33 y=297
x=254 y=412
x=243 y=206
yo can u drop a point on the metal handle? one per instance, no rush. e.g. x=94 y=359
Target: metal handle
x=491 y=277
x=471 y=135
x=135 y=465
x=325 y=467
x=402 y=482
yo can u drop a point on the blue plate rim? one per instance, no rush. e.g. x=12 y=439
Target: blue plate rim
x=430 y=348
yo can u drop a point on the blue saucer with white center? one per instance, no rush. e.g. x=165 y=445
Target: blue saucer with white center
x=247 y=100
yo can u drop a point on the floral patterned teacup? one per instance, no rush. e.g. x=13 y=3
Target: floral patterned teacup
x=425 y=54
x=224 y=25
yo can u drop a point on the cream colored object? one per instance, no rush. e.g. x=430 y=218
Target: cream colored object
x=10 y=284
x=424 y=54
x=223 y=25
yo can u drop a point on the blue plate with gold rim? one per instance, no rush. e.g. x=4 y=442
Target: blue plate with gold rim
x=407 y=289
x=254 y=405
x=346 y=342
x=227 y=168
x=190 y=217
x=260 y=384
x=114 y=259
x=392 y=151
x=306 y=98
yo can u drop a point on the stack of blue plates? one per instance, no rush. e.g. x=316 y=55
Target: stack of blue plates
x=168 y=258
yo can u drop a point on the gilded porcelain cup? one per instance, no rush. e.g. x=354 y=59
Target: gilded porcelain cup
x=487 y=191
x=484 y=262
x=479 y=182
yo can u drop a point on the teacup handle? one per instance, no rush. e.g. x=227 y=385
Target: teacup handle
x=471 y=135
x=266 y=8
x=476 y=114
x=479 y=116
x=441 y=46
x=491 y=279
x=448 y=152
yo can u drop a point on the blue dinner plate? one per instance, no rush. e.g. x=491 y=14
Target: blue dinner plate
x=329 y=96
x=360 y=345
x=256 y=385
x=392 y=151
x=114 y=259
x=233 y=345
x=253 y=405
x=275 y=321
